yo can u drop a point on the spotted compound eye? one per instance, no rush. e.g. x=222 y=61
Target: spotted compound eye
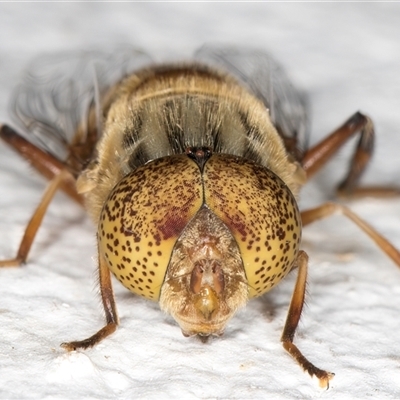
x=261 y=213
x=144 y=216
x=149 y=209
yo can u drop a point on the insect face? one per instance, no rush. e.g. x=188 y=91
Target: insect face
x=201 y=233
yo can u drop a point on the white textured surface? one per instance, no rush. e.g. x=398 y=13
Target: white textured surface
x=348 y=57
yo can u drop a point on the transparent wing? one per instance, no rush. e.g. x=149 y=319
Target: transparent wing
x=264 y=77
x=57 y=90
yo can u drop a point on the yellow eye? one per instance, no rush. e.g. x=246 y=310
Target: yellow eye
x=260 y=212
x=144 y=216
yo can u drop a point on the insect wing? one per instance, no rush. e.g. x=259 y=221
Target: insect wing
x=57 y=90
x=266 y=79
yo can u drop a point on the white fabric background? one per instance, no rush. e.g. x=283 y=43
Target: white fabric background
x=348 y=58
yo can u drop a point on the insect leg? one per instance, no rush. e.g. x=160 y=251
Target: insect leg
x=36 y=220
x=293 y=318
x=107 y=297
x=321 y=153
x=328 y=209
x=43 y=162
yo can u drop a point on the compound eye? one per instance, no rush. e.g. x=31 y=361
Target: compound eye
x=143 y=217
x=260 y=212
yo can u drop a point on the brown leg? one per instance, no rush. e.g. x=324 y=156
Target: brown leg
x=44 y=163
x=328 y=209
x=107 y=297
x=36 y=220
x=320 y=154
x=369 y=191
x=293 y=318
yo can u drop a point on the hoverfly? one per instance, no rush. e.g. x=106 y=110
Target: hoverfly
x=191 y=173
